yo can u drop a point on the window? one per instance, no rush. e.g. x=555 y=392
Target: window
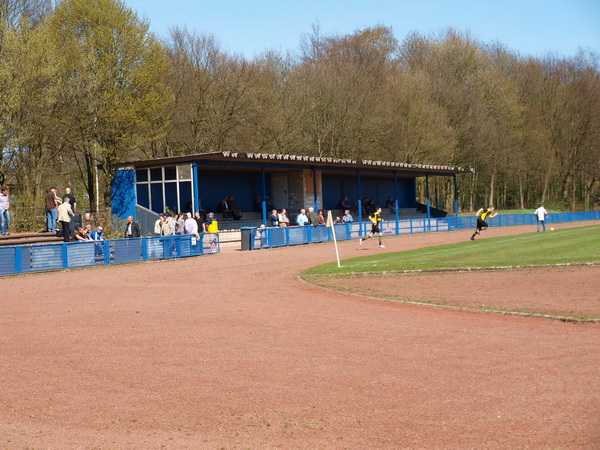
x=160 y=187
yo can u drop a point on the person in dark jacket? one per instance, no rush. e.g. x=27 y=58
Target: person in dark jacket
x=132 y=229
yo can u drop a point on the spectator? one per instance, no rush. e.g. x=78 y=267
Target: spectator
x=81 y=235
x=87 y=219
x=283 y=218
x=179 y=224
x=168 y=225
x=321 y=217
x=71 y=198
x=223 y=208
x=132 y=228
x=313 y=219
x=97 y=234
x=236 y=214
x=257 y=203
x=212 y=226
x=52 y=202
x=4 y=212
x=347 y=218
x=390 y=203
x=302 y=220
x=64 y=213
x=158 y=225
x=343 y=204
x=199 y=218
x=190 y=226
x=274 y=218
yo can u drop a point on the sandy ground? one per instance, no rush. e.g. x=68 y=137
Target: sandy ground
x=235 y=351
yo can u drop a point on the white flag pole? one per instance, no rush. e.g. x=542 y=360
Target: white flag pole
x=330 y=224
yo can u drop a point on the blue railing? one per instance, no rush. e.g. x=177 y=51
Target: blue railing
x=43 y=257
x=279 y=237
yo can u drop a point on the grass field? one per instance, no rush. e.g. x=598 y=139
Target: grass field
x=575 y=245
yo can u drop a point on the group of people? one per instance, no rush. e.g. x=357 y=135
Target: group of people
x=184 y=223
x=368 y=205
x=306 y=216
x=484 y=214
x=167 y=225
x=228 y=208
x=62 y=211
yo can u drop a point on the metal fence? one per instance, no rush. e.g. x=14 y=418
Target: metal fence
x=43 y=257
x=279 y=237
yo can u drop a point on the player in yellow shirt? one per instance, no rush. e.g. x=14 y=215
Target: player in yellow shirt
x=375 y=227
x=483 y=214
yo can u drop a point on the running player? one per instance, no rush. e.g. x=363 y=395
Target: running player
x=483 y=214
x=375 y=227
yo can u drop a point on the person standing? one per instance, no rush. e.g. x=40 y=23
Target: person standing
x=376 y=220
x=482 y=215
x=274 y=219
x=313 y=219
x=283 y=219
x=347 y=218
x=199 y=218
x=132 y=229
x=301 y=220
x=158 y=225
x=65 y=213
x=4 y=212
x=212 y=227
x=540 y=215
x=71 y=198
x=51 y=203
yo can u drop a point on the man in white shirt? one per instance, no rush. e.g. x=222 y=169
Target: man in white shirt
x=190 y=226
x=540 y=215
x=302 y=219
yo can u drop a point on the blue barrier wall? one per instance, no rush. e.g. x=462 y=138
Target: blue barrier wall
x=278 y=237
x=44 y=257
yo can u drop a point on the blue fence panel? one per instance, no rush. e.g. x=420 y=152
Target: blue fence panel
x=210 y=242
x=42 y=257
x=278 y=236
x=8 y=260
x=126 y=250
x=343 y=231
x=81 y=254
x=298 y=235
x=319 y=233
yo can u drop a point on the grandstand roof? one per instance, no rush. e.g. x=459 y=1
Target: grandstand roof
x=301 y=161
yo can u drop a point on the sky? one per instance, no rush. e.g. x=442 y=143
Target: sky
x=250 y=27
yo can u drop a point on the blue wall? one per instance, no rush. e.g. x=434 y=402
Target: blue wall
x=336 y=187
x=243 y=186
x=123 y=194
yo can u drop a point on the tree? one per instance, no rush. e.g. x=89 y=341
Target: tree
x=113 y=85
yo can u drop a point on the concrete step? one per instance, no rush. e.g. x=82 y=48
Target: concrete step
x=30 y=238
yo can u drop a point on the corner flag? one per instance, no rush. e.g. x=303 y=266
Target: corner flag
x=330 y=225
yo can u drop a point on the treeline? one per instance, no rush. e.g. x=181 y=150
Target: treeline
x=84 y=86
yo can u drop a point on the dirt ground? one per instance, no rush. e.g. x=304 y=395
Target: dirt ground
x=235 y=351
x=561 y=293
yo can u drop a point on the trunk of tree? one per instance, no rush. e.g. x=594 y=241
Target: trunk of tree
x=521 y=194
x=492 y=180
